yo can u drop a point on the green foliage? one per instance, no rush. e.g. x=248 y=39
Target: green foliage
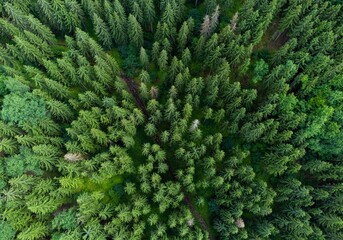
x=6 y=231
x=21 y=109
x=171 y=119
x=260 y=70
x=65 y=220
x=21 y=163
x=3 y=89
x=144 y=58
x=35 y=231
x=135 y=31
x=15 y=86
x=102 y=31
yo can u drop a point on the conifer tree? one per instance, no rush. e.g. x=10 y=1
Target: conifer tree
x=206 y=26
x=118 y=28
x=102 y=31
x=168 y=15
x=214 y=19
x=183 y=35
x=144 y=58
x=137 y=12
x=135 y=31
x=149 y=12
x=163 y=60
x=234 y=21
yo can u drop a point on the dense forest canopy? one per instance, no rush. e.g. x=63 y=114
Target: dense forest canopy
x=171 y=119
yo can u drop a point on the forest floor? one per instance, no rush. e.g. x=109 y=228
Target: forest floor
x=133 y=89
x=234 y=7
x=272 y=40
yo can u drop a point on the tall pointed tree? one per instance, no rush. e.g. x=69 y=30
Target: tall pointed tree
x=135 y=31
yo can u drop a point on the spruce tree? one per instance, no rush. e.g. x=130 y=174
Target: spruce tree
x=135 y=31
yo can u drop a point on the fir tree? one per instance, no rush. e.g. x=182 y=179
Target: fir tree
x=135 y=31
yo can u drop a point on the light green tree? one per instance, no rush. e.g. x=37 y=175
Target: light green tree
x=135 y=31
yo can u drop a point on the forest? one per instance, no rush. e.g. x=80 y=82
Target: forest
x=171 y=119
